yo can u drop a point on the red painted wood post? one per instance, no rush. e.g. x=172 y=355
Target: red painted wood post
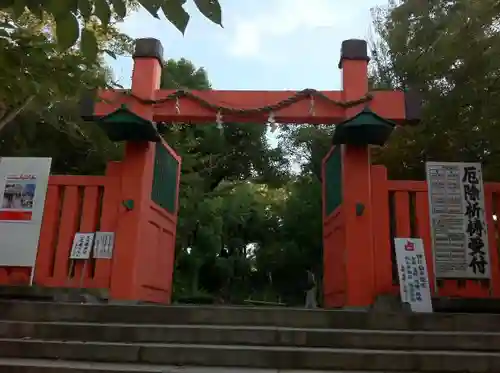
x=136 y=178
x=44 y=267
x=109 y=219
x=356 y=184
x=381 y=231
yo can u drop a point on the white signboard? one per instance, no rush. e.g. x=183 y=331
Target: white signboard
x=82 y=246
x=103 y=245
x=458 y=221
x=413 y=275
x=23 y=186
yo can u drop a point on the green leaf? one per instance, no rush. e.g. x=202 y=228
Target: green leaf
x=210 y=9
x=176 y=14
x=72 y=5
x=18 y=8
x=151 y=6
x=85 y=7
x=120 y=8
x=36 y=9
x=110 y=53
x=88 y=44
x=4 y=4
x=103 y=12
x=67 y=31
x=61 y=8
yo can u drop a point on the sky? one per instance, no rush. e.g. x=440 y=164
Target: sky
x=264 y=45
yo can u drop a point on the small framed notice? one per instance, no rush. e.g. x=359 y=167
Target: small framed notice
x=413 y=275
x=103 y=245
x=82 y=246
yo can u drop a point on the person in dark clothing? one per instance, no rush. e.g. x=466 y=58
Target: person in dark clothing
x=311 y=290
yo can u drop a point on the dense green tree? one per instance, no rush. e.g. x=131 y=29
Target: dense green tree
x=222 y=210
x=445 y=49
x=37 y=76
x=294 y=243
x=39 y=92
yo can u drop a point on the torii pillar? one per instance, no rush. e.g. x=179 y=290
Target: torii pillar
x=349 y=242
x=141 y=242
x=356 y=184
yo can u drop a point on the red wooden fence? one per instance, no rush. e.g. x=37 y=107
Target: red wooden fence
x=76 y=204
x=72 y=204
x=94 y=203
x=334 y=267
x=401 y=209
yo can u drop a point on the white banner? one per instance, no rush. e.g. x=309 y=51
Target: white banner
x=458 y=221
x=23 y=186
x=413 y=276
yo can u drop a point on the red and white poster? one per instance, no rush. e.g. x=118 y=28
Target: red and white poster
x=413 y=276
x=23 y=187
x=18 y=198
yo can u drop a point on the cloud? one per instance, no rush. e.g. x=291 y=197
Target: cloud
x=281 y=18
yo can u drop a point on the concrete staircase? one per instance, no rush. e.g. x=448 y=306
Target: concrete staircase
x=38 y=337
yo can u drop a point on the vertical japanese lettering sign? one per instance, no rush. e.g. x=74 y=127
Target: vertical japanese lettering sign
x=458 y=221
x=413 y=275
x=82 y=246
x=475 y=222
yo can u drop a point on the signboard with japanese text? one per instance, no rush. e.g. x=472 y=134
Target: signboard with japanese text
x=82 y=246
x=23 y=186
x=103 y=245
x=413 y=275
x=458 y=221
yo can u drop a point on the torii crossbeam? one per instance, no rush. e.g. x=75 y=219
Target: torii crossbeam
x=290 y=107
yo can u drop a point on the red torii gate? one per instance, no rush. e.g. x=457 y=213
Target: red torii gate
x=152 y=105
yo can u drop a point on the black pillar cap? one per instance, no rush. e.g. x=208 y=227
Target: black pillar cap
x=87 y=104
x=413 y=106
x=148 y=47
x=355 y=50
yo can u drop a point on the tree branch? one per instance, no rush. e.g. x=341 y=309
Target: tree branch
x=12 y=114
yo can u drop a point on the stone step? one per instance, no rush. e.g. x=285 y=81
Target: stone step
x=210 y=315
x=255 y=356
x=258 y=336
x=61 y=366
x=37 y=293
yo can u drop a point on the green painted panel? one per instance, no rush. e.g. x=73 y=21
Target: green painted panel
x=164 y=191
x=333 y=181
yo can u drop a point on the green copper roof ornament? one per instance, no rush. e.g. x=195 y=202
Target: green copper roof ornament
x=365 y=128
x=124 y=125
